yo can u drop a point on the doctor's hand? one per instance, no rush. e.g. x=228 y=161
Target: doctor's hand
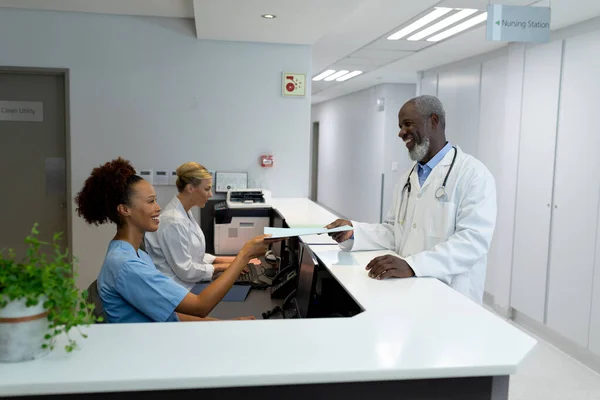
x=384 y=267
x=340 y=236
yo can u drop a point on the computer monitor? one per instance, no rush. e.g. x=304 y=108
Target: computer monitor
x=307 y=278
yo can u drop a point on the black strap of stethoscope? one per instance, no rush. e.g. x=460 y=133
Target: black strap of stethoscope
x=451 y=166
x=407 y=185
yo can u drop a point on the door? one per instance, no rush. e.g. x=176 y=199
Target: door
x=535 y=182
x=314 y=167
x=576 y=193
x=32 y=157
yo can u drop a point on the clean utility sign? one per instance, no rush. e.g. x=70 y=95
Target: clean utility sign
x=518 y=23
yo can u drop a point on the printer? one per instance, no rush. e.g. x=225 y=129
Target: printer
x=248 y=198
x=243 y=215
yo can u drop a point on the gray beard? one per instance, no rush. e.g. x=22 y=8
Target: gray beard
x=420 y=150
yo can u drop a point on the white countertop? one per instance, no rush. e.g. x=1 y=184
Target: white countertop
x=303 y=213
x=413 y=328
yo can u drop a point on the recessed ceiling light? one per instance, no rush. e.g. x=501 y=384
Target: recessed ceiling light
x=459 y=28
x=323 y=75
x=418 y=24
x=446 y=22
x=349 y=76
x=269 y=16
x=338 y=74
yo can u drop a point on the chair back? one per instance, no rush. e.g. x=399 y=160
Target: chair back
x=93 y=297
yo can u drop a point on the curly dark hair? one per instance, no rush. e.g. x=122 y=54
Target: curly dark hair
x=108 y=186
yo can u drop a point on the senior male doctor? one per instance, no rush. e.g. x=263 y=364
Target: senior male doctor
x=443 y=214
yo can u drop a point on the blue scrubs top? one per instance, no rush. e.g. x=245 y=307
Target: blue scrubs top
x=133 y=290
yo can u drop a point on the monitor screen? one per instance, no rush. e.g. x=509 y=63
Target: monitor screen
x=306 y=280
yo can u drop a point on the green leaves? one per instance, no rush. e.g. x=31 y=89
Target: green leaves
x=50 y=274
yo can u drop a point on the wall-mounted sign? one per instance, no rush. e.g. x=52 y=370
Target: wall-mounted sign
x=25 y=111
x=294 y=84
x=518 y=23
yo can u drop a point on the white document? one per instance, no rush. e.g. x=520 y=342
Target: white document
x=291 y=232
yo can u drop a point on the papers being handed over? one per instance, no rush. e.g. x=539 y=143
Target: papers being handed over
x=291 y=232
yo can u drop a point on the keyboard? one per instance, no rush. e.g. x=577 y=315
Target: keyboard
x=254 y=278
x=248 y=277
x=221 y=206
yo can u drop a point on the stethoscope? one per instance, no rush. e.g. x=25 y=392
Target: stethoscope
x=439 y=193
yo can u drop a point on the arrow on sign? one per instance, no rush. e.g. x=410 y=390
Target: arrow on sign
x=498 y=23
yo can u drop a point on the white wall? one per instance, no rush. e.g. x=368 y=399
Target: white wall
x=357 y=144
x=350 y=162
x=394 y=149
x=148 y=90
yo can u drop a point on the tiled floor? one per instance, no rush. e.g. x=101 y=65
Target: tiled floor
x=549 y=374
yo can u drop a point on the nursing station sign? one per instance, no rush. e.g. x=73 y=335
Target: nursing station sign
x=294 y=85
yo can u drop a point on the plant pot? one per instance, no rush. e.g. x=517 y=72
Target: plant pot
x=22 y=331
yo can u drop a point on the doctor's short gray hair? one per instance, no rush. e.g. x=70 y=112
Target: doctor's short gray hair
x=427 y=105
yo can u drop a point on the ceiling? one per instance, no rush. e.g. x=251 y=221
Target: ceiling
x=348 y=34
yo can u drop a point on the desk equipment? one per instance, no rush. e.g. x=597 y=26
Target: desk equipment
x=299 y=301
x=255 y=278
x=225 y=181
x=307 y=279
x=242 y=216
x=248 y=198
x=284 y=282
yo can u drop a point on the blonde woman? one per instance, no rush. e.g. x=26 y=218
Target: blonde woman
x=178 y=246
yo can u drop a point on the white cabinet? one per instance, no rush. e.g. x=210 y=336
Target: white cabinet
x=541 y=87
x=459 y=92
x=579 y=133
x=576 y=193
x=429 y=84
x=491 y=152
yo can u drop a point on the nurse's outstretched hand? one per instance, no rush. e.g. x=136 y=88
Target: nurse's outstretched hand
x=257 y=246
x=340 y=236
x=384 y=267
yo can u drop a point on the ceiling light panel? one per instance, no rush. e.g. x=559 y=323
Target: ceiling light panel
x=446 y=22
x=323 y=75
x=459 y=28
x=349 y=76
x=438 y=12
x=338 y=74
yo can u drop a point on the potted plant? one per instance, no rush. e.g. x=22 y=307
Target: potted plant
x=39 y=300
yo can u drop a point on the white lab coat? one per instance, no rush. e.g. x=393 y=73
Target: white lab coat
x=447 y=239
x=178 y=247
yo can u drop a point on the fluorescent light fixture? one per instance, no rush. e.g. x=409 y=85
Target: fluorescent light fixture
x=459 y=28
x=446 y=22
x=349 y=76
x=323 y=75
x=338 y=74
x=269 y=16
x=418 y=24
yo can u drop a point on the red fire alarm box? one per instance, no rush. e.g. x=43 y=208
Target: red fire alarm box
x=266 y=161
